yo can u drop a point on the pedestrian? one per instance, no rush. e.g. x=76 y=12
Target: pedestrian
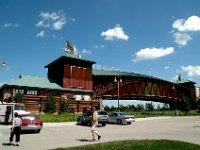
x=94 y=123
x=16 y=128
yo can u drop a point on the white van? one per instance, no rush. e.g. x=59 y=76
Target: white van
x=7 y=111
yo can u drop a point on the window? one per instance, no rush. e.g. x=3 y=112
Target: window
x=32 y=92
x=18 y=91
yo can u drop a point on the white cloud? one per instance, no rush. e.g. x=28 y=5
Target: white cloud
x=191 y=70
x=191 y=24
x=86 y=52
x=152 y=53
x=167 y=67
x=99 y=46
x=182 y=38
x=115 y=33
x=40 y=34
x=53 y=20
x=58 y=25
x=6 y=25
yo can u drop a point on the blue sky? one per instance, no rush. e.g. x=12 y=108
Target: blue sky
x=153 y=37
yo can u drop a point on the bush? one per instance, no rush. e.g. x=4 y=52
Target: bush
x=50 y=104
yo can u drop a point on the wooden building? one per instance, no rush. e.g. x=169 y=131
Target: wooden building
x=68 y=77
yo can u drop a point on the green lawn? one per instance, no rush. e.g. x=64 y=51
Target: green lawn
x=138 y=145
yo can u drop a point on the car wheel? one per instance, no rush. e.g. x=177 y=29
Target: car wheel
x=119 y=121
x=103 y=124
x=79 y=122
x=38 y=130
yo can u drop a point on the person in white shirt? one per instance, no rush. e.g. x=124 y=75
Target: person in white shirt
x=94 y=121
x=16 y=128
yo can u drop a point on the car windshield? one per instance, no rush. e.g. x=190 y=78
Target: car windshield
x=19 y=107
x=102 y=113
x=28 y=117
x=123 y=114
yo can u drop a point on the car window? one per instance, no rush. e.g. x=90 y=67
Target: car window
x=102 y=113
x=29 y=117
x=123 y=114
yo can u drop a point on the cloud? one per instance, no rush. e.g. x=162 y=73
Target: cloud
x=7 y=25
x=40 y=34
x=53 y=20
x=115 y=33
x=99 y=46
x=167 y=67
x=86 y=52
x=191 y=24
x=182 y=38
x=152 y=53
x=184 y=26
x=191 y=70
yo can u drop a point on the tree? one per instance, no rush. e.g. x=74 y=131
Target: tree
x=50 y=104
x=185 y=105
x=149 y=106
x=19 y=98
x=63 y=105
x=198 y=104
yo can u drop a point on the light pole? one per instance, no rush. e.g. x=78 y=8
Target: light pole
x=175 y=101
x=3 y=65
x=118 y=80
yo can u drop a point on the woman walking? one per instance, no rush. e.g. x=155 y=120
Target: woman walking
x=16 y=128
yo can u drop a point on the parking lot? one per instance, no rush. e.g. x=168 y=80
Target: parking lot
x=55 y=135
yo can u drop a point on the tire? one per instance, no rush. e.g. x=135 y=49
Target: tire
x=38 y=130
x=103 y=124
x=119 y=121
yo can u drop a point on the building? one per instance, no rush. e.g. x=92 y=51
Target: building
x=68 y=77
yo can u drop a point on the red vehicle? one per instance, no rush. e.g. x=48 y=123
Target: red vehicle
x=30 y=122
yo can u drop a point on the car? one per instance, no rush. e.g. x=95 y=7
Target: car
x=30 y=122
x=85 y=119
x=120 y=118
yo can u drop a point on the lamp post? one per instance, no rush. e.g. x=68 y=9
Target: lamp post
x=175 y=101
x=3 y=65
x=118 y=80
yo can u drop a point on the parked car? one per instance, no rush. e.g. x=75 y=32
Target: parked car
x=85 y=119
x=120 y=118
x=31 y=122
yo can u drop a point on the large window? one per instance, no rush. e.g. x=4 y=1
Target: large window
x=32 y=92
x=18 y=91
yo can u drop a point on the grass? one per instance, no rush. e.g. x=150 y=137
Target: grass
x=65 y=117
x=138 y=145
x=68 y=117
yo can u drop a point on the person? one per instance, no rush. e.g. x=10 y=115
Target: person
x=15 y=129
x=94 y=123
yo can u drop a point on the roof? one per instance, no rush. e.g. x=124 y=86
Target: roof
x=39 y=82
x=70 y=57
x=116 y=73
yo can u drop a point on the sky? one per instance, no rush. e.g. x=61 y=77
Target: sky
x=160 y=38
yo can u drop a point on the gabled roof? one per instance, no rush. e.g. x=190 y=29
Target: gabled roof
x=70 y=58
x=39 y=82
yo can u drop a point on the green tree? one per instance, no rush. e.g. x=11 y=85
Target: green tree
x=149 y=106
x=198 y=104
x=185 y=105
x=50 y=104
x=63 y=105
x=19 y=98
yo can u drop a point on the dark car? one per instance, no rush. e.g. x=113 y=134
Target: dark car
x=85 y=119
x=30 y=122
